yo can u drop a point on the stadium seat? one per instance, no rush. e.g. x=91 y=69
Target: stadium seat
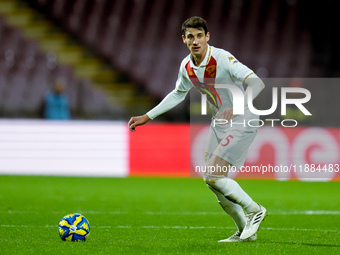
x=132 y=35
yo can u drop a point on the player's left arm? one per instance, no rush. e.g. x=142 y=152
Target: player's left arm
x=254 y=85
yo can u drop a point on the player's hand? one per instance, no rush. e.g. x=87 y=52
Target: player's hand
x=137 y=121
x=226 y=114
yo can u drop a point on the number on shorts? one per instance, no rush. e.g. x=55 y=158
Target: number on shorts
x=228 y=141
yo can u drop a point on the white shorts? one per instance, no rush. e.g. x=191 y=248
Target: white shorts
x=229 y=143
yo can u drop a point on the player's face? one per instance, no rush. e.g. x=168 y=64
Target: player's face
x=196 y=41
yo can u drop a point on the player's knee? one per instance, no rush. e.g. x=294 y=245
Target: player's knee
x=211 y=180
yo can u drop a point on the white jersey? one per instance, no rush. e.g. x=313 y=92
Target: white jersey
x=218 y=67
x=230 y=142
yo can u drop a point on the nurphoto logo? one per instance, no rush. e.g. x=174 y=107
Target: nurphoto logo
x=239 y=103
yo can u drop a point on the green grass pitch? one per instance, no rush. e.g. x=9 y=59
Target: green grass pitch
x=163 y=216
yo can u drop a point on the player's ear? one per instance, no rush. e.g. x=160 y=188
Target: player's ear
x=183 y=37
x=208 y=36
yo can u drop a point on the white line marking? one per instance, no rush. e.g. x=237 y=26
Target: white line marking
x=178 y=227
x=307 y=212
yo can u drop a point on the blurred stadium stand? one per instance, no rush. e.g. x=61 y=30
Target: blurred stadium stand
x=36 y=52
x=132 y=48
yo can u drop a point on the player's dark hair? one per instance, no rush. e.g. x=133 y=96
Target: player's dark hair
x=195 y=22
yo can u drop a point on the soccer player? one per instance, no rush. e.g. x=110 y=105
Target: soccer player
x=227 y=144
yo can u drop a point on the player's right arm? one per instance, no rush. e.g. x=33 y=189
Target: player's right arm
x=169 y=102
x=175 y=97
x=138 y=121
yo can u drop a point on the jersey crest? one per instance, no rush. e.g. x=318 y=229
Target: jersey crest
x=211 y=70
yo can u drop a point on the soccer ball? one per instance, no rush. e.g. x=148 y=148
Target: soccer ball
x=74 y=227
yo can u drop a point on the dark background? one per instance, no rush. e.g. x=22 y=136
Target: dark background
x=140 y=40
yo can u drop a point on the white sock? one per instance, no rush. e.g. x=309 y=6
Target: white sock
x=234 y=210
x=233 y=192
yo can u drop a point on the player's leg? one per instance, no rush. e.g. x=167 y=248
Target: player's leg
x=232 y=191
x=234 y=210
